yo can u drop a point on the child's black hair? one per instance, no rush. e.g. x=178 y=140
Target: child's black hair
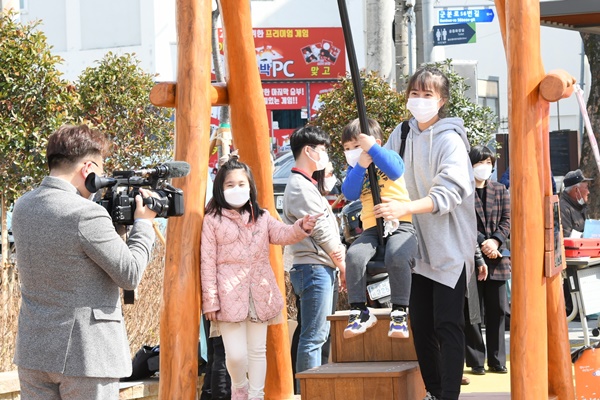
x=218 y=202
x=429 y=77
x=479 y=153
x=353 y=129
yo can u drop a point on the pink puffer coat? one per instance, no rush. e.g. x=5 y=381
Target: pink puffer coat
x=235 y=263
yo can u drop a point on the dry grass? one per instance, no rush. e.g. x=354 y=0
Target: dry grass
x=10 y=301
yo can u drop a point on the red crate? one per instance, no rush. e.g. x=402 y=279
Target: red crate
x=582 y=244
x=582 y=252
x=582 y=247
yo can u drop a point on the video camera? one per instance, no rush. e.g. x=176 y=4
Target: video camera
x=123 y=186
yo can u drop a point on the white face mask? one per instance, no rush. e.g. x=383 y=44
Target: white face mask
x=329 y=183
x=322 y=161
x=237 y=196
x=482 y=172
x=352 y=156
x=423 y=109
x=580 y=200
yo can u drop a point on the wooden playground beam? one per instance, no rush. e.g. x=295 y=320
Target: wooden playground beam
x=250 y=130
x=192 y=96
x=180 y=306
x=540 y=367
x=164 y=94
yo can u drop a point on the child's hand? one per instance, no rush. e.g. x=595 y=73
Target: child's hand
x=366 y=142
x=211 y=316
x=365 y=160
x=309 y=221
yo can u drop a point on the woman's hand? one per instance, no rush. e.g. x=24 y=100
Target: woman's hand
x=390 y=209
x=489 y=247
x=211 y=316
x=483 y=273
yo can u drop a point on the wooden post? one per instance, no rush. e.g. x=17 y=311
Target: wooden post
x=528 y=344
x=539 y=366
x=180 y=308
x=250 y=131
x=556 y=85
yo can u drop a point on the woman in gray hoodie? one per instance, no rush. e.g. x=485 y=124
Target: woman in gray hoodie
x=440 y=182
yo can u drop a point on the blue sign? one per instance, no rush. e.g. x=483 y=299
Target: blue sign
x=465 y=16
x=445 y=35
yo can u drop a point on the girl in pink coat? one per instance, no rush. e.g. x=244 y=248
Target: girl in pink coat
x=240 y=295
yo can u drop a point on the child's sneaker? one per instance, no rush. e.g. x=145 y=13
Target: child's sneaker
x=398 y=325
x=358 y=322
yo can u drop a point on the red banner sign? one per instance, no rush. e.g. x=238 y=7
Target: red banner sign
x=298 y=53
x=284 y=96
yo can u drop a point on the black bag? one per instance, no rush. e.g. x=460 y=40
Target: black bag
x=145 y=363
x=404 y=129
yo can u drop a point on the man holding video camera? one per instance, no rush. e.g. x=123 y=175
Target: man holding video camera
x=71 y=341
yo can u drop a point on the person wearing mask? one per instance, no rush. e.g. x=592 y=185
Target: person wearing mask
x=316 y=257
x=492 y=206
x=573 y=203
x=573 y=213
x=71 y=341
x=440 y=183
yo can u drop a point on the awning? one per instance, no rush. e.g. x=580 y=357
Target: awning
x=578 y=15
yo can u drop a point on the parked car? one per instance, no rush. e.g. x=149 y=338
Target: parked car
x=282 y=170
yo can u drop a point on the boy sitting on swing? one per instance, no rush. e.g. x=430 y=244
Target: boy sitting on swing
x=400 y=242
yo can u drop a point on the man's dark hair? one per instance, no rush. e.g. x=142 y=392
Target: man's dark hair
x=308 y=136
x=352 y=130
x=71 y=143
x=479 y=153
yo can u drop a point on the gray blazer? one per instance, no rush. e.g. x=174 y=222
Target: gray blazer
x=71 y=263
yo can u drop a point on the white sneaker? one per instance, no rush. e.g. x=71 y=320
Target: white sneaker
x=358 y=322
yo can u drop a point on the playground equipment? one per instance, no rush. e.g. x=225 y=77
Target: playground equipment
x=541 y=366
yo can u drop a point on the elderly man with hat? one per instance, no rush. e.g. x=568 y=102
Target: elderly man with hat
x=573 y=202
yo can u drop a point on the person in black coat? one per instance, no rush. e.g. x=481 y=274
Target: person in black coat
x=492 y=206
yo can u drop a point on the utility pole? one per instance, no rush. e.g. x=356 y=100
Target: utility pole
x=404 y=40
x=380 y=45
x=425 y=20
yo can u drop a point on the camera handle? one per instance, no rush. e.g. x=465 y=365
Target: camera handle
x=156 y=205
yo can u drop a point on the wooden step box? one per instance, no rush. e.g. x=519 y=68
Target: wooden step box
x=390 y=380
x=373 y=345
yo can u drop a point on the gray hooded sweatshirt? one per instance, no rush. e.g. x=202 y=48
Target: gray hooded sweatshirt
x=438 y=165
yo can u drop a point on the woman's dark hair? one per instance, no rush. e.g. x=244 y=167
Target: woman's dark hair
x=479 y=153
x=218 y=202
x=428 y=77
x=352 y=130
x=310 y=136
x=71 y=143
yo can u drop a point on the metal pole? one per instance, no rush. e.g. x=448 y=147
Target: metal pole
x=360 y=104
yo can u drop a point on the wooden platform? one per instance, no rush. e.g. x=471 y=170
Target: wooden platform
x=363 y=380
x=373 y=345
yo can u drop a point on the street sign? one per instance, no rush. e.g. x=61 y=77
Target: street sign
x=445 y=35
x=465 y=15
